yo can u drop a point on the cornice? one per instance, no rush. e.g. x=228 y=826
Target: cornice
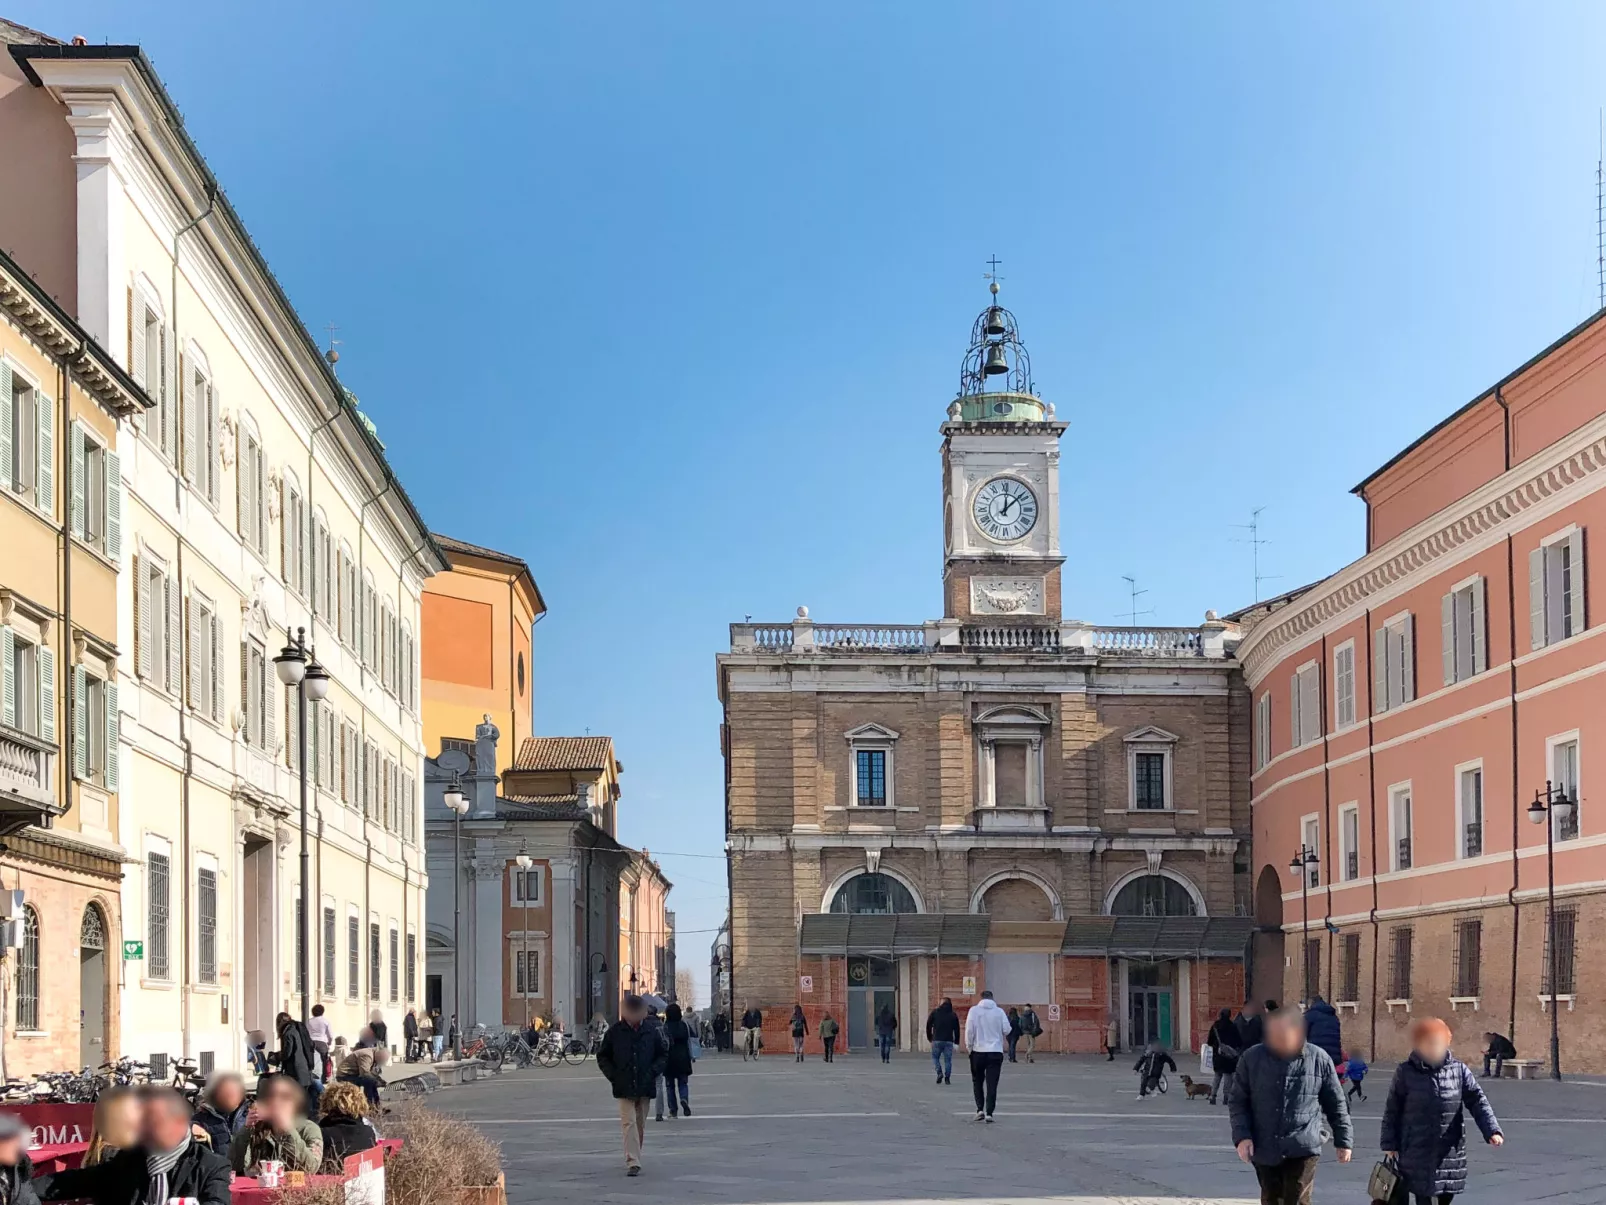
x=1511 y=502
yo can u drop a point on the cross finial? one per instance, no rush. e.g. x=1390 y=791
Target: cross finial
x=992 y=276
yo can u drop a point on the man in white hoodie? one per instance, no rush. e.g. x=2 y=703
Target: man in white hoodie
x=985 y=1029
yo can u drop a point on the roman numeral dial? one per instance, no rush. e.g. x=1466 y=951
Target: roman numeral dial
x=1005 y=509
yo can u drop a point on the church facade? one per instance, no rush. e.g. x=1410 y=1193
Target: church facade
x=1002 y=798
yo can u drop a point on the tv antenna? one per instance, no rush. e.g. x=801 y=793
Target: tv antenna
x=1254 y=541
x=1600 y=217
x=1132 y=615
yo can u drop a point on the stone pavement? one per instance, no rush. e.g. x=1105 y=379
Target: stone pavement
x=1069 y=1130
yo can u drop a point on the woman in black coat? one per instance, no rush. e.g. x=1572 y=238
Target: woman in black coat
x=678 y=1062
x=1224 y=1051
x=1424 y=1120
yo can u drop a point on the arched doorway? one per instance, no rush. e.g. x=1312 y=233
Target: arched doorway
x=1267 y=952
x=872 y=981
x=92 y=988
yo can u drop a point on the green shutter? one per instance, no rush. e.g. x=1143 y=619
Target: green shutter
x=47 y=693
x=114 y=506
x=44 y=490
x=111 y=736
x=80 y=722
x=78 y=480
x=8 y=688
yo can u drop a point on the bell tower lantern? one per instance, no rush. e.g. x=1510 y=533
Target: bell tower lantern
x=1000 y=482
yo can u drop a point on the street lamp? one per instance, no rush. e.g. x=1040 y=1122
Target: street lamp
x=1552 y=799
x=297 y=666
x=458 y=802
x=523 y=863
x=598 y=965
x=1304 y=857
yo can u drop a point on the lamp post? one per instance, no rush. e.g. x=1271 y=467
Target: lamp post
x=458 y=802
x=297 y=666
x=601 y=968
x=523 y=863
x=1304 y=858
x=1553 y=799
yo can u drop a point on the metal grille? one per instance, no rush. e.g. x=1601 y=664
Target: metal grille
x=158 y=1067
x=1467 y=957
x=1404 y=858
x=1313 y=967
x=92 y=930
x=412 y=967
x=373 y=962
x=328 y=951
x=1400 y=962
x=1350 y=968
x=1566 y=934
x=206 y=1062
x=206 y=923
x=395 y=966
x=353 y=957
x=156 y=866
x=28 y=972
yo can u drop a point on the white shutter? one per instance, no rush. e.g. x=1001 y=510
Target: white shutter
x=7 y=402
x=242 y=489
x=1408 y=659
x=189 y=421
x=168 y=402
x=174 y=642
x=1310 y=704
x=270 y=681
x=216 y=657
x=47 y=692
x=1447 y=632
x=78 y=503
x=114 y=506
x=1296 y=727
x=1575 y=596
x=195 y=642
x=1380 y=670
x=80 y=722
x=209 y=450
x=1480 y=633
x=8 y=686
x=292 y=742
x=142 y=617
x=137 y=367
x=111 y=736
x=44 y=480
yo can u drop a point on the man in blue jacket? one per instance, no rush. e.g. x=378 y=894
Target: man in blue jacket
x=1280 y=1095
x=632 y=1056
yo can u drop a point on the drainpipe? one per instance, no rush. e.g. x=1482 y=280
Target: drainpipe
x=1322 y=686
x=1511 y=687
x=1371 y=790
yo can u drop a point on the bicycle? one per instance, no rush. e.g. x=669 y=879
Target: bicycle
x=752 y=1044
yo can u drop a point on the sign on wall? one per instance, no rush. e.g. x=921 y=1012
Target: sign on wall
x=967 y=985
x=133 y=951
x=805 y=984
x=1053 y=1012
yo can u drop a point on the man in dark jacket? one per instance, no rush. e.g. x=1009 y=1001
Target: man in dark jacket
x=410 y=1035
x=1224 y=1051
x=16 y=1169
x=1281 y=1092
x=1498 y=1050
x=942 y=1031
x=1251 y=1025
x=297 y=1057
x=166 y=1164
x=1322 y=1029
x=1151 y=1065
x=632 y=1056
x=223 y=1109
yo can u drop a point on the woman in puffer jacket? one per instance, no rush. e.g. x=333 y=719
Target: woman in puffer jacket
x=1424 y=1120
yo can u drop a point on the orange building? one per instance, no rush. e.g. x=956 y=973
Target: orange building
x=1412 y=776
x=477 y=647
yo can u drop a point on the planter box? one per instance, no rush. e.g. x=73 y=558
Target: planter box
x=486 y=1194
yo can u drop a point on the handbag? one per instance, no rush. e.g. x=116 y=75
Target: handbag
x=1385 y=1186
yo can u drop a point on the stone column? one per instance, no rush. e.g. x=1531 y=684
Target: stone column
x=484 y=974
x=569 y=985
x=102 y=274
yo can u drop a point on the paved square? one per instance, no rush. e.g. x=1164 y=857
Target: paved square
x=1069 y=1129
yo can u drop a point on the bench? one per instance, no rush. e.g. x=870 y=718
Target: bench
x=1522 y=1068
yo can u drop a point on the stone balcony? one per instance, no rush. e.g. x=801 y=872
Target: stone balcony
x=27 y=781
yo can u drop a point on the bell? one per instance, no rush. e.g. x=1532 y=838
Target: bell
x=994 y=323
x=995 y=362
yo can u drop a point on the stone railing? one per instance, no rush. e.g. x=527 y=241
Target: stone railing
x=27 y=767
x=1008 y=638
x=899 y=636
x=1149 y=642
x=1211 y=640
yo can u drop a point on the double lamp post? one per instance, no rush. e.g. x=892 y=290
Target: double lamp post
x=1304 y=858
x=1555 y=806
x=297 y=666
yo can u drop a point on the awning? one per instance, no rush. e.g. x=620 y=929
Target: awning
x=893 y=936
x=1156 y=937
x=931 y=933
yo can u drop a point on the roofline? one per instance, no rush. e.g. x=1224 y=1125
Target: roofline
x=24 y=54
x=450 y=544
x=1360 y=490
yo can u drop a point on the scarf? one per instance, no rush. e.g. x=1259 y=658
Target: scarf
x=157 y=1166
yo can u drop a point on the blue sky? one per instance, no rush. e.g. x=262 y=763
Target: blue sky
x=669 y=298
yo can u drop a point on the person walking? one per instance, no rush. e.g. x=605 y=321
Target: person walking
x=632 y=1058
x=1283 y=1090
x=655 y=1023
x=1151 y=1065
x=722 y=1029
x=1353 y=1072
x=1030 y=1030
x=1424 y=1127
x=1498 y=1050
x=942 y=1031
x=410 y=1036
x=828 y=1031
x=1323 y=1029
x=1223 y=1042
x=986 y=1028
x=1014 y=1030
x=886 y=1031
x=752 y=1033
x=800 y=1031
x=678 y=1061
x=1251 y=1025
x=437 y=1034
x=297 y=1056
x=1112 y=1037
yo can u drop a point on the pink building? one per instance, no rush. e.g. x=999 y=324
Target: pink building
x=1407 y=709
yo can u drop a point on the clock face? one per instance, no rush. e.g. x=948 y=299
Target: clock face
x=1005 y=509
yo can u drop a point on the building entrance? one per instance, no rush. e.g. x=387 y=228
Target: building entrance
x=1151 y=992
x=872 y=986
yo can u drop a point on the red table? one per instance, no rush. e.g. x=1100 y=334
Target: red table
x=57 y=1157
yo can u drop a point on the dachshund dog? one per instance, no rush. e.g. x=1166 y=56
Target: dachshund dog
x=1193 y=1089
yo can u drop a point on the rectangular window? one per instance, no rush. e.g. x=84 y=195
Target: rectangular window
x=1394 y=682
x=1556 y=589
x=206 y=923
x=1349 y=843
x=1305 y=694
x=1400 y=962
x=395 y=966
x=28 y=972
x=1350 y=969
x=527 y=972
x=1313 y=967
x=1263 y=731
x=527 y=886
x=1311 y=834
x=1566 y=947
x=1465 y=651
x=1149 y=781
x=97 y=753
x=1467 y=958
x=1469 y=802
x=328 y=951
x=872 y=771
x=22 y=684
x=1344 y=684
x=1564 y=775
x=17 y=471
x=412 y=967
x=1400 y=827
x=353 y=957
x=156 y=888
x=1009 y=774
x=373 y=961
x=257 y=684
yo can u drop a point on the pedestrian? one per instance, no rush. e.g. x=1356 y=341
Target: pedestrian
x=277 y=1130
x=678 y=1061
x=223 y=1110
x=114 y=1126
x=985 y=1031
x=437 y=1035
x=800 y=1031
x=942 y=1031
x=344 y=1123
x=297 y=1057
x=1223 y=1042
x=16 y=1169
x=323 y=1040
x=363 y=1068
x=1030 y=1029
x=1322 y=1029
x=453 y=1037
x=376 y=1022
x=886 y=1031
x=167 y=1163
x=1251 y=1025
x=1424 y=1127
x=1282 y=1092
x=722 y=1028
x=632 y=1058
x=1354 y=1070
x=828 y=1031
x=1151 y=1065
x=1112 y=1037
x=654 y=1023
x=752 y=1033
x=410 y=1036
x=1014 y=1030
x=1498 y=1050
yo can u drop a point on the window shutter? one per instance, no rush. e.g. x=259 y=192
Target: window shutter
x=80 y=722
x=168 y=403
x=269 y=679
x=142 y=617
x=1310 y=707
x=209 y=445
x=8 y=687
x=245 y=690
x=136 y=340
x=1447 y=631
x=1296 y=730
x=197 y=644
x=7 y=402
x=114 y=506
x=175 y=637
x=189 y=408
x=242 y=478
x=1480 y=633
x=286 y=552
x=44 y=478
x=1408 y=659
x=292 y=745
x=1380 y=670
x=77 y=480
x=1575 y=597
x=47 y=692
x=215 y=654
x=111 y=736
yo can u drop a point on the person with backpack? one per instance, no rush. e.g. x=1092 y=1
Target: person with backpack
x=1031 y=1029
x=678 y=1062
x=828 y=1031
x=1223 y=1042
x=800 y=1031
x=1015 y=1030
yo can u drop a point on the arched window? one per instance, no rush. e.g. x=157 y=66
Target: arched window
x=1153 y=895
x=28 y=972
x=877 y=894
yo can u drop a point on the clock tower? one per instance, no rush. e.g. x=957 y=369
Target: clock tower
x=1000 y=482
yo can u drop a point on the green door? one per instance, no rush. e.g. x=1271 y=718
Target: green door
x=1164 y=994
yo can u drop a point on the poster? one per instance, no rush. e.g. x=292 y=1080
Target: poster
x=806 y=984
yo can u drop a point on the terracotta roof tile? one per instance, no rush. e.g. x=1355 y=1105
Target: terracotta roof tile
x=565 y=753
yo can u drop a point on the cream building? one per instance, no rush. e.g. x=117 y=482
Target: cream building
x=258 y=498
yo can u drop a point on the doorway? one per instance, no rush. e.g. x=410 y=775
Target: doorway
x=432 y=993
x=92 y=988
x=872 y=986
x=1151 y=992
x=256 y=994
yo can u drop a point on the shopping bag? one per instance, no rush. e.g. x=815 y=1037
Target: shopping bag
x=1207 y=1060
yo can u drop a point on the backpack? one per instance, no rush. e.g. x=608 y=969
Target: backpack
x=1033 y=1025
